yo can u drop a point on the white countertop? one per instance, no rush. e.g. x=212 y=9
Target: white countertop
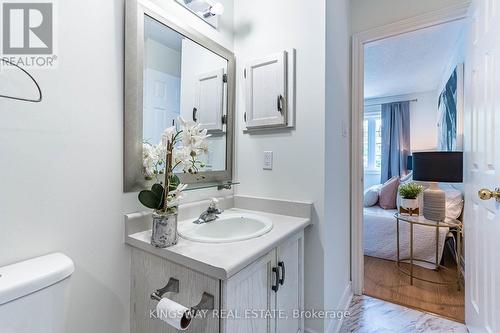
x=223 y=260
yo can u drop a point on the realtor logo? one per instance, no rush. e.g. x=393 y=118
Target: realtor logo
x=28 y=28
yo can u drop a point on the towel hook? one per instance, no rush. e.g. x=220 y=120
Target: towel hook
x=39 y=99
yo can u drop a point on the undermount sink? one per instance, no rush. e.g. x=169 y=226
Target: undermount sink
x=229 y=227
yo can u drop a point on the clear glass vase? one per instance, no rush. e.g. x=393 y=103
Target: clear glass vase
x=164 y=230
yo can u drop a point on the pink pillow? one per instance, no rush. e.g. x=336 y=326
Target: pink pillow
x=389 y=193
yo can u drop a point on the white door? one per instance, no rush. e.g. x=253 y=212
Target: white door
x=482 y=168
x=251 y=297
x=161 y=103
x=209 y=100
x=290 y=294
x=266 y=91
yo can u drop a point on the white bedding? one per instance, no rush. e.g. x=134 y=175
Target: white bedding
x=380 y=237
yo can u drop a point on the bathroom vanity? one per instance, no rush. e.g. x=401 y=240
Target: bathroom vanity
x=249 y=262
x=256 y=283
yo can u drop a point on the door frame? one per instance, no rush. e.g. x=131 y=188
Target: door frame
x=445 y=15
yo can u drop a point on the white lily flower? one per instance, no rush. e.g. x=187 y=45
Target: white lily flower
x=182 y=122
x=168 y=135
x=176 y=195
x=185 y=156
x=148 y=160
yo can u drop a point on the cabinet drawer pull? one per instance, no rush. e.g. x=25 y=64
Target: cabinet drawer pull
x=281 y=265
x=195 y=110
x=280 y=104
x=276 y=287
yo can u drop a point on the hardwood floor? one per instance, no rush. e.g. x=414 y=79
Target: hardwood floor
x=384 y=281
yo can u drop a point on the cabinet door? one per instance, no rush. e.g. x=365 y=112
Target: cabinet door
x=266 y=88
x=290 y=293
x=251 y=290
x=209 y=102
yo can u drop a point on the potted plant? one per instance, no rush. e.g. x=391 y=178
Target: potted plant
x=409 y=196
x=179 y=149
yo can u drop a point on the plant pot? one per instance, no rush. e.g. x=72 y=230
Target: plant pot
x=409 y=204
x=164 y=230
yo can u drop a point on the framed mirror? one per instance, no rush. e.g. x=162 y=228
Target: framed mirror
x=172 y=70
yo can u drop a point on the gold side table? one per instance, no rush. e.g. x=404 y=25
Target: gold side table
x=420 y=220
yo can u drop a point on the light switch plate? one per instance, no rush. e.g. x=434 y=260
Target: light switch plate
x=268 y=160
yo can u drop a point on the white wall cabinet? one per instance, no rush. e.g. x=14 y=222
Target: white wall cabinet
x=209 y=100
x=263 y=297
x=266 y=91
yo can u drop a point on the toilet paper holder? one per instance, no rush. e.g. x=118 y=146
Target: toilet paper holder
x=172 y=286
x=207 y=301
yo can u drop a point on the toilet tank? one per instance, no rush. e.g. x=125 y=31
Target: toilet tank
x=33 y=294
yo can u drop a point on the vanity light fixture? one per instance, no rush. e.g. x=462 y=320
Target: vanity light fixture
x=216 y=9
x=207 y=10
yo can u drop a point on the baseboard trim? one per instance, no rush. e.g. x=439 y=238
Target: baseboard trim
x=335 y=324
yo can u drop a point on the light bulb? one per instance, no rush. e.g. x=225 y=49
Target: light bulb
x=217 y=9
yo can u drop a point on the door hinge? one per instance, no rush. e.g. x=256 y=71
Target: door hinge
x=224 y=78
x=224 y=119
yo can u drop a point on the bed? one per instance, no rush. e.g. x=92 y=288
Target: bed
x=380 y=237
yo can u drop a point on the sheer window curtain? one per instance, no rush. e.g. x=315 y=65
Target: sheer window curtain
x=395 y=139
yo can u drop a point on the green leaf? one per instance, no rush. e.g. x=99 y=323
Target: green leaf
x=158 y=189
x=174 y=182
x=150 y=199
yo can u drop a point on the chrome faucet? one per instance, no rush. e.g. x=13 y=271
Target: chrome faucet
x=211 y=214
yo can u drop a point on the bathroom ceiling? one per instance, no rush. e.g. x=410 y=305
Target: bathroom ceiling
x=411 y=63
x=163 y=34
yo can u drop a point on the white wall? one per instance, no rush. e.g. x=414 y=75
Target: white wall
x=423 y=117
x=337 y=158
x=261 y=28
x=162 y=58
x=61 y=164
x=368 y=14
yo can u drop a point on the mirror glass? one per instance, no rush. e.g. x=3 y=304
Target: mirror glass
x=182 y=78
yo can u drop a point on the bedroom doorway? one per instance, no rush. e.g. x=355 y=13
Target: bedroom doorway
x=412 y=77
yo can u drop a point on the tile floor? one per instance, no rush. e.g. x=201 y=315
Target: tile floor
x=371 y=315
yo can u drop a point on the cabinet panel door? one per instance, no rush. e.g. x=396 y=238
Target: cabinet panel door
x=266 y=91
x=290 y=294
x=250 y=290
x=210 y=100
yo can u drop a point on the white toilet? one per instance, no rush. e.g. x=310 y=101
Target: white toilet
x=33 y=294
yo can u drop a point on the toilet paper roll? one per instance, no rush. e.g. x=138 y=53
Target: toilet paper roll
x=174 y=314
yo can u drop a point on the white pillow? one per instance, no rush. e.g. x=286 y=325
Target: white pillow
x=371 y=195
x=407 y=179
x=454 y=203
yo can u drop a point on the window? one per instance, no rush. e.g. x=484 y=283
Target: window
x=372 y=142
